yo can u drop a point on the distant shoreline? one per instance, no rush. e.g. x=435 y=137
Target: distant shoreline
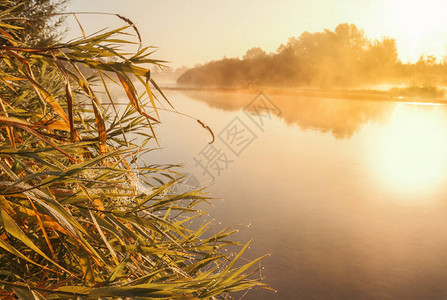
x=350 y=94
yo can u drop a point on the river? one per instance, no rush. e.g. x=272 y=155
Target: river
x=348 y=196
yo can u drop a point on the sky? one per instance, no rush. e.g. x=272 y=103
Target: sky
x=197 y=31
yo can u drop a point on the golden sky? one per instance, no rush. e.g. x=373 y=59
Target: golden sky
x=196 y=31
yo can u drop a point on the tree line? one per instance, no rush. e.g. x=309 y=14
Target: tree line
x=344 y=57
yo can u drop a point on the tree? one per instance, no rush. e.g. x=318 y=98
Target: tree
x=254 y=53
x=380 y=59
x=38 y=18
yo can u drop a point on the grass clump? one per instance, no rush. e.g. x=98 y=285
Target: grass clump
x=81 y=215
x=416 y=91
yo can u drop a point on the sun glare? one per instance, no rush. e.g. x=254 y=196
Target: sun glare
x=417 y=24
x=411 y=153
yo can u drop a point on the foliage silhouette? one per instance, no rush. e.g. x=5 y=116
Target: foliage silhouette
x=341 y=58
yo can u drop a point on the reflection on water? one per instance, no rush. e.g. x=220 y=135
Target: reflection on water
x=340 y=117
x=348 y=196
x=411 y=150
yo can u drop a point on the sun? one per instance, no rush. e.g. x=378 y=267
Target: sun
x=410 y=153
x=418 y=24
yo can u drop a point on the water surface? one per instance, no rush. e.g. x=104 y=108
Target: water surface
x=348 y=196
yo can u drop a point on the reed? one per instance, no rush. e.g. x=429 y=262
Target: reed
x=81 y=213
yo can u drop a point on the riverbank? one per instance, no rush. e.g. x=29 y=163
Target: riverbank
x=395 y=94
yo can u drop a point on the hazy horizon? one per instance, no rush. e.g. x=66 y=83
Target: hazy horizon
x=194 y=32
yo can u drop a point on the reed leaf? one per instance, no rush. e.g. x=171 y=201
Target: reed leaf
x=81 y=215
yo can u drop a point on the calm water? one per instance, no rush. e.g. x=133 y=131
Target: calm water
x=348 y=196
